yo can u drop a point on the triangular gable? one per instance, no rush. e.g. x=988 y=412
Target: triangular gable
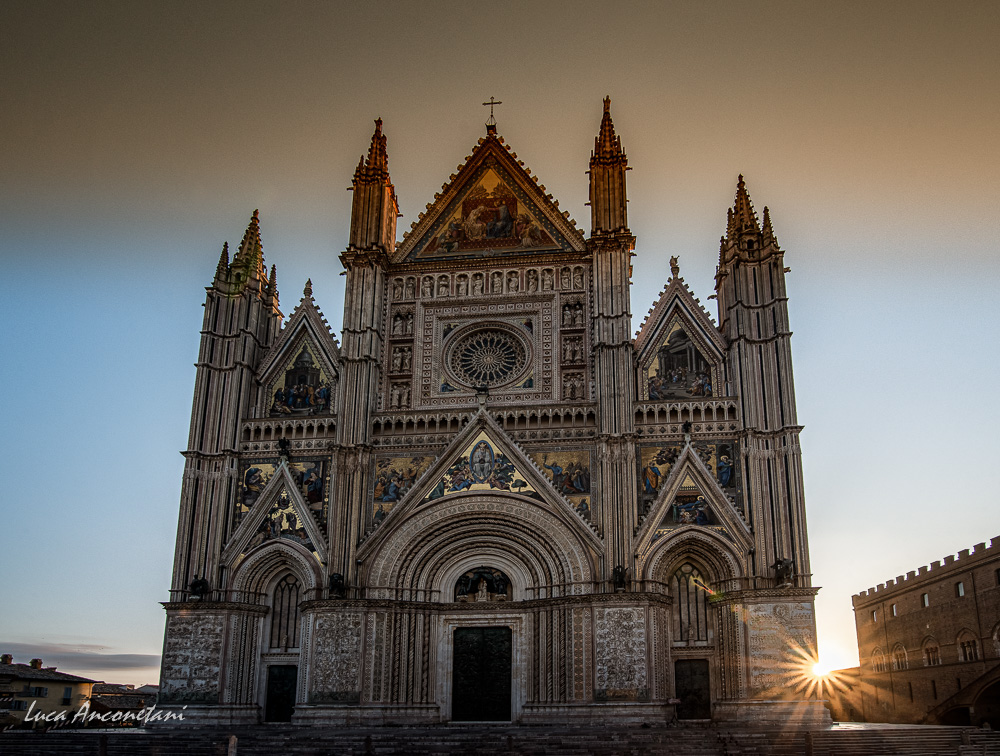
x=279 y=513
x=691 y=497
x=465 y=467
x=301 y=371
x=492 y=206
x=679 y=350
x=676 y=297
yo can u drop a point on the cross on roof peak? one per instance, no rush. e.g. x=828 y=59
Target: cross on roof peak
x=491 y=124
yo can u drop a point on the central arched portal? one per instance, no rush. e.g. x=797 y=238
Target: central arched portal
x=497 y=560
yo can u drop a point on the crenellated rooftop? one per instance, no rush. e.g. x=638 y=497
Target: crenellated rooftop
x=966 y=559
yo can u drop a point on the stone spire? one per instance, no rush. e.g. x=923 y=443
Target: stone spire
x=249 y=258
x=374 y=209
x=376 y=166
x=768 y=232
x=272 y=286
x=608 y=164
x=222 y=270
x=742 y=218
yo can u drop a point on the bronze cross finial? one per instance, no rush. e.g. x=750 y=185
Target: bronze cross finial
x=491 y=103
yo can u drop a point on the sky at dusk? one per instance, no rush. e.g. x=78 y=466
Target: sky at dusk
x=138 y=137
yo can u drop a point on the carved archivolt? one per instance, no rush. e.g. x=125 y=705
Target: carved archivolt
x=256 y=572
x=425 y=555
x=665 y=555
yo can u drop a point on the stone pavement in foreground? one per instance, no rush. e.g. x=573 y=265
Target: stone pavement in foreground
x=496 y=740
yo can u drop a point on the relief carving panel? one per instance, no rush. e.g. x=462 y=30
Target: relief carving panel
x=192 y=658
x=620 y=666
x=336 y=658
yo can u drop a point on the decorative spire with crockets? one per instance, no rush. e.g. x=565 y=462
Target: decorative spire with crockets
x=608 y=163
x=374 y=209
x=742 y=218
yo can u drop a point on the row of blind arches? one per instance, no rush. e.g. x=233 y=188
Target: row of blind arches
x=688 y=587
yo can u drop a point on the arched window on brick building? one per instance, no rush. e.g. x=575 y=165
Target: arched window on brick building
x=899 y=660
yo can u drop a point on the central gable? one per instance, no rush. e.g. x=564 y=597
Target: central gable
x=492 y=207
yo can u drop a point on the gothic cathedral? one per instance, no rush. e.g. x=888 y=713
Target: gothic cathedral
x=490 y=501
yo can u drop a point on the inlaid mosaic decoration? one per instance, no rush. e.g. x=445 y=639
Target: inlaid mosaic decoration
x=690 y=506
x=304 y=387
x=569 y=472
x=679 y=371
x=282 y=521
x=493 y=215
x=482 y=467
x=311 y=476
x=394 y=477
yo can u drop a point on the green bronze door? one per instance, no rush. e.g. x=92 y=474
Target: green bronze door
x=481 y=674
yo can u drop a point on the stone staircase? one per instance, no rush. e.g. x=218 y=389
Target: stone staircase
x=503 y=740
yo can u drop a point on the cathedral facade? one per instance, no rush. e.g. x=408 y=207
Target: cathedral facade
x=489 y=500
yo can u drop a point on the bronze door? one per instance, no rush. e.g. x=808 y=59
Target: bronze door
x=692 y=685
x=280 y=701
x=481 y=674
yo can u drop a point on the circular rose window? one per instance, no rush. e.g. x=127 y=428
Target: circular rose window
x=491 y=357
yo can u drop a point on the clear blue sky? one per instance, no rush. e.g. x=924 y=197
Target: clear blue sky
x=138 y=137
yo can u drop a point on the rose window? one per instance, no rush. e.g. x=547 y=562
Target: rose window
x=487 y=357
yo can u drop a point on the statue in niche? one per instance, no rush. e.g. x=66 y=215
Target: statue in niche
x=565 y=281
x=337 y=586
x=783 y=569
x=512 y=281
x=199 y=589
x=547 y=280
x=462 y=286
x=408 y=324
x=531 y=279
x=410 y=285
x=578 y=314
x=397 y=289
x=482 y=584
x=427 y=287
x=407 y=358
x=397 y=359
x=443 y=286
x=496 y=282
x=397 y=324
x=619 y=577
x=477 y=284
x=578 y=278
